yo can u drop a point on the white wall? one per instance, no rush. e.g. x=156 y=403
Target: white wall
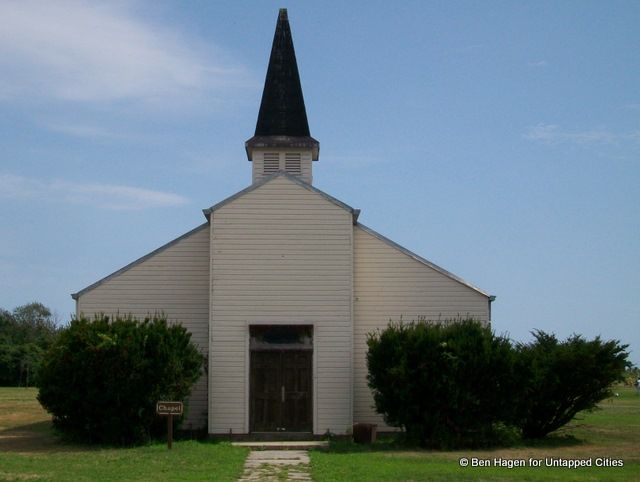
x=280 y=254
x=174 y=281
x=389 y=284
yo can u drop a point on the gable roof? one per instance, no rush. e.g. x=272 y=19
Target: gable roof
x=354 y=212
x=75 y=296
x=422 y=260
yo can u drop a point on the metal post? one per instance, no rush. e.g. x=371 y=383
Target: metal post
x=169 y=430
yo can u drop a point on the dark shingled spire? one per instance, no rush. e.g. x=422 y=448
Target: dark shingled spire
x=282 y=120
x=282 y=111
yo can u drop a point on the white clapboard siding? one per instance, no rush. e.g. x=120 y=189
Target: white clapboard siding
x=280 y=254
x=173 y=280
x=267 y=162
x=389 y=284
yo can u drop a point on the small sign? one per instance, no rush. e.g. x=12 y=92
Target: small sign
x=169 y=408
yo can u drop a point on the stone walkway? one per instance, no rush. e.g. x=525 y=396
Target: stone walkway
x=276 y=465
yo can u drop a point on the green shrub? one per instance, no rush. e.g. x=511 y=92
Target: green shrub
x=445 y=384
x=102 y=378
x=560 y=379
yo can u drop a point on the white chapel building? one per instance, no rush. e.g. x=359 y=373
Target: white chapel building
x=281 y=285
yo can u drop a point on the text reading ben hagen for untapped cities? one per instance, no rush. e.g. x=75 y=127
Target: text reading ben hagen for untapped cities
x=545 y=462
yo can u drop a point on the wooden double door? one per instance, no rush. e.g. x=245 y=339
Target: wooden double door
x=280 y=391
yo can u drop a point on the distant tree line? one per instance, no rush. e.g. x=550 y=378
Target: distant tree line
x=26 y=333
x=632 y=377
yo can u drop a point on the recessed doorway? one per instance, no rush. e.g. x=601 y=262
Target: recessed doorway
x=281 y=375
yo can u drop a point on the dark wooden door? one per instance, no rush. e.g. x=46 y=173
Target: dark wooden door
x=265 y=391
x=296 y=380
x=280 y=391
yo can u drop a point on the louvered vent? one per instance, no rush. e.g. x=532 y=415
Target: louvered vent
x=271 y=163
x=292 y=163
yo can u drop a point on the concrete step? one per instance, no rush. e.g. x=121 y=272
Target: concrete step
x=284 y=445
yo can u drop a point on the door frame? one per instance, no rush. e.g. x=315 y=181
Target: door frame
x=281 y=367
x=247 y=368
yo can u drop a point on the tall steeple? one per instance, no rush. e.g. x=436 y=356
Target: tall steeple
x=282 y=111
x=282 y=129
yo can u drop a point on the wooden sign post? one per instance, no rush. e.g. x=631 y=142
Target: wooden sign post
x=169 y=409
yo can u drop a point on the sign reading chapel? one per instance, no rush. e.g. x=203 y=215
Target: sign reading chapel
x=281 y=284
x=169 y=408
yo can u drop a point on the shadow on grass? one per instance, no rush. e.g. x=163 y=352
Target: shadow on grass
x=384 y=443
x=397 y=443
x=35 y=437
x=553 y=441
x=41 y=437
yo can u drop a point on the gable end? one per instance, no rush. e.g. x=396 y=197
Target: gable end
x=354 y=212
x=75 y=296
x=422 y=260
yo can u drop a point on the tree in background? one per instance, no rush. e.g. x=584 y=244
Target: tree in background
x=632 y=376
x=560 y=379
x=25 y=334
x=101 y=378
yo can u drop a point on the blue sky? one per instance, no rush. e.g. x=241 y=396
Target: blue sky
x=500 y=140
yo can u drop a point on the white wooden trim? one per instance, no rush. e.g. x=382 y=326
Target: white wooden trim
x=247 y=374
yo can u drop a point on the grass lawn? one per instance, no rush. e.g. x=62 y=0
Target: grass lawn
x=610 y=433
x=30 y=451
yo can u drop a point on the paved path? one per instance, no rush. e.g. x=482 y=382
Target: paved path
x=276 y=465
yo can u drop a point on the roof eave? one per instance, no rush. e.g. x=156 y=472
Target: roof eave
x=282 y=142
